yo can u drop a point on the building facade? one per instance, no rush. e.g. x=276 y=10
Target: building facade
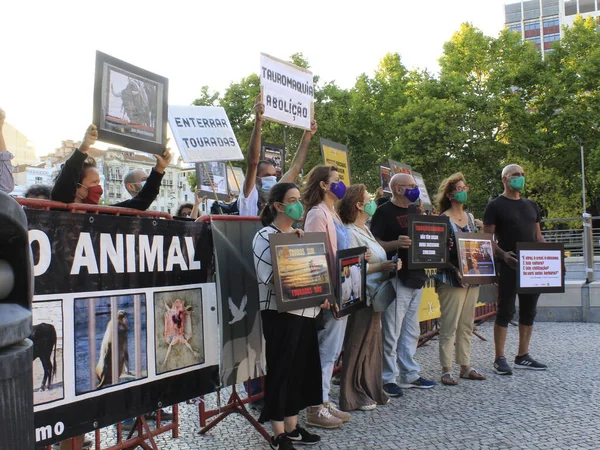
x=18 y=144
x=541 y=21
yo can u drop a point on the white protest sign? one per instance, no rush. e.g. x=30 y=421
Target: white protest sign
x=287 y=92
x=424 y=194
x=540 y=268
x=203 y=134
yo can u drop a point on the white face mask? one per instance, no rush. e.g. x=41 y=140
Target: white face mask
x=267 y=183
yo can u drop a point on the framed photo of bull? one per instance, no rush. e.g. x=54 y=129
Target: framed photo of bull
x=130 y=105
x=300 y=270
x=351 y=280
x=476 y=258
x=276 y=154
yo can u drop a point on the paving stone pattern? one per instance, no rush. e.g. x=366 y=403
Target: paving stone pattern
x=555 y=409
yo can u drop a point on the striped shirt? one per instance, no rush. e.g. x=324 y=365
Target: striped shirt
x=264 y=273
x=7 y=182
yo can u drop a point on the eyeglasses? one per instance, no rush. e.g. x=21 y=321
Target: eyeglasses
x=461 y=188
x=408 y=186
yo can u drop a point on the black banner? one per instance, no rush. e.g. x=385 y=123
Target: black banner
x=125 y=320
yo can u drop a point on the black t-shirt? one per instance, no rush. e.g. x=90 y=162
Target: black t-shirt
x=389 y=222
x=515 y=220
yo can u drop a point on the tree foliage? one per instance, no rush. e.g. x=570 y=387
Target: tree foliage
x=495 y=101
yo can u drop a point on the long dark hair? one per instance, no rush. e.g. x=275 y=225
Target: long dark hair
x=312 y=194
x=276 y=195
x=347 y=205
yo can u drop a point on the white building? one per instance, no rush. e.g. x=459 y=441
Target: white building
x=541 y=21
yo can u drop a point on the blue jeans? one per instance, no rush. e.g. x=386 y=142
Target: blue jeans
x=400 y=327
x=331 y=340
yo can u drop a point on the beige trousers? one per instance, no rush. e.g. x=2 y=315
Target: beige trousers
x=457 y=306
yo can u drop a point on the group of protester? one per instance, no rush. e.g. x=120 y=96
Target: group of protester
x=378 y=342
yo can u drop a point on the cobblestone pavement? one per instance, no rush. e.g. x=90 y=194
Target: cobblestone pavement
x=555 y=409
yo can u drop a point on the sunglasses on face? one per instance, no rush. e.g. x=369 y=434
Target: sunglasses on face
x=461 y=188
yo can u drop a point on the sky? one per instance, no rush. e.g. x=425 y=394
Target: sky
x=49 y=48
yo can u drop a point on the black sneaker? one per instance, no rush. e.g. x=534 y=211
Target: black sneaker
x=527 y=362
x=393 y=390
x=164 y=416
x=501 y=367
x=302 y=436
x=281 y=442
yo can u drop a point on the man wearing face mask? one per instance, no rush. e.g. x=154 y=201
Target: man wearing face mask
x=79 y=180
x=400 y=322
x=260 y=174
x=513 y=219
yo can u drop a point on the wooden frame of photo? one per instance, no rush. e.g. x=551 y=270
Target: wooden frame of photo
x=435 y=226
x=146 y=102
x=558 y=251
x=275 y=148
x=348 y=258
x=301 y=272
x=484 y=242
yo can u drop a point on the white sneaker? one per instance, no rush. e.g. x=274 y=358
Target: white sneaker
x=335 y=412
x=319 y=416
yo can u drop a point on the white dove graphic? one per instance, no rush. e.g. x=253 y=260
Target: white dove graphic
x=237 y=313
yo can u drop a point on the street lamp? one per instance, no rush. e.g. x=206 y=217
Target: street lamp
x=582 y=172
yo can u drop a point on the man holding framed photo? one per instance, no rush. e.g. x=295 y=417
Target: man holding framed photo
x=400 y=324
x=513 y=219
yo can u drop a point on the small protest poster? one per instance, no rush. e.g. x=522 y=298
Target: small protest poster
x=301 y=270
x=427 y=203
x=429 y=235
x=476 y=258
x=288 y=92
x=276 y=154
x=397 y=167
x=540 y=268
x=335 y=154
x=130 y=105
x=385 y=175
x=203 y=133
x=212 y=180
x=351 y=281
x=235 y=178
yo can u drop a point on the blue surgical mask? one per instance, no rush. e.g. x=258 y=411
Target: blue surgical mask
x=266 y=183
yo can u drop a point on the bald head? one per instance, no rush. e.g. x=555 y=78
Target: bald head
x=401 y=179
x=133 y=181
x=511 y=170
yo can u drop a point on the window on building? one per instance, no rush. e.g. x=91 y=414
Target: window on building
x=512 y=12
x=551 y=23
x=550 y=8
x=515 y=27
x=570 y=7
x=38 y=180
x=531 y=9
x=535 y=25
x=586 y=6
x=535 y=39
x=552 y=37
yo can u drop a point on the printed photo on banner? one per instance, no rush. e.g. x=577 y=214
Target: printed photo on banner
x=429 y=235
x=385 y=175
x=476 y=258
x=424 y=197
x=48 y=361
x=287 y=91
x=397 y=167
x=301 y=270
x=178 y=329
x=212 y=179
x=276 y=154
x=541 y=268
x=335 y=154
x=130 y=105
x=203 y=134
x=109 y=330
x=235 y=179
x=351 y=280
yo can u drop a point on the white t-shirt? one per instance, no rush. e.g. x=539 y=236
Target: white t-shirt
x=248 y=206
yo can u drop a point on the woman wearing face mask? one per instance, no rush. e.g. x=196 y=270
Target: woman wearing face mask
x=457 y=299
x=322 y=190
x=293 y=379
x=361 y=384
x=79 y=180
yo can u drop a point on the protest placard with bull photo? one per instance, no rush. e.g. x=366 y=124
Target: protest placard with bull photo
x=203 y=133
x=124 y=317
x=130 y=105
x=424 y=197
x=287 y=92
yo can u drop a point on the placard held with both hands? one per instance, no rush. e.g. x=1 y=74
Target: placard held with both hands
x=541 y=268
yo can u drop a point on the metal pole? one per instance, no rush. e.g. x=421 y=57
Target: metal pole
x=588 y=247
x=582 y=177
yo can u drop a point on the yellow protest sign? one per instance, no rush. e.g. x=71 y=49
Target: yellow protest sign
x=430 y=302
x=335 y=154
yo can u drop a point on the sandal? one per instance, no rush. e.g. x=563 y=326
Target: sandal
x=472 y=374
x=448 y=379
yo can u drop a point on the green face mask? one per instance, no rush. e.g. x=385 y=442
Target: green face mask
x=371 y=207
x=294 y=211
x=461 y=197
x=518 y=183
